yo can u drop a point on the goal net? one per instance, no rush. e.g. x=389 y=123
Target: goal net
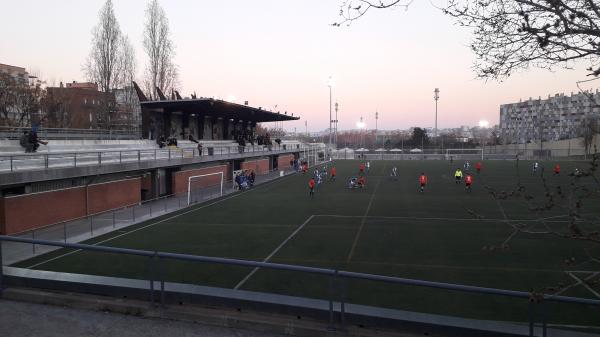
x=472 y=154
x=204 y=186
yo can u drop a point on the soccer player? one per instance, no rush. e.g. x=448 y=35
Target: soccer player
x=361 y=168
x=536 y=165
x=394 y=173
x=467 y=165
x=311 y=186
x=361 y=182
x=368 y=166
x=478 y=167
x=468 y=182
x=557 y=170
x=423 y=181
x=333 y=173
x=458 y=176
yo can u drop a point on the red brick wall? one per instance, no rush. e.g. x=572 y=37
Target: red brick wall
x=180 y=179
x=103 y=197
x=260 y=166
x=30 y=211
x=2 y=220
x=146 y=184
x=25 y=212
x=283 y=162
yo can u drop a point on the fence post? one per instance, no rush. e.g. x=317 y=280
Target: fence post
x=120 y=157
x=150 y=209
x=166 y=201
x=46 y=160
x=99 y=158
x=133 y=212
x=75 y=160
x=91 y=225
x=65 y=231
x=331 y=326
x=113 y=218
x=1 y=271
x=139 y=156
x=343 y=302
x=33 y=238
x=530 y=312
x=152 y=273
x=11 y=163
x=161 y=276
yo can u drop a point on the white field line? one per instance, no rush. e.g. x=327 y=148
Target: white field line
x=432 y=218
x=156 y=223
x=362 y=223
x=266 y=259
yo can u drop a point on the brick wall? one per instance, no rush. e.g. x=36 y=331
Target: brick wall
x=29 y=211
x=180 y=179
x=103 y=197
x=260 y=166
x=283 y=162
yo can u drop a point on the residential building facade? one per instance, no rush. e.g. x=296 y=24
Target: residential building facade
x=555 y=118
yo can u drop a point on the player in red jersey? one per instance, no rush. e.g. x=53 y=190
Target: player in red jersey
x=468 y=182
x=423 y=182
x=311 y=186
x=557 y=170
x=478 y=167
x=361 y=169
x=333 y=173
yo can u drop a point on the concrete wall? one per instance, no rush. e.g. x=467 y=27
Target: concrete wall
x=29 y=211
x=180 y=179
x=559 y=148
x=260 y=166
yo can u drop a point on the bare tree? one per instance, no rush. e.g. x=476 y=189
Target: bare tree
x=351 y=10
x=19 y=102
x=103 y=65
x=588 y=129
x=515 y=34
x=161 y=71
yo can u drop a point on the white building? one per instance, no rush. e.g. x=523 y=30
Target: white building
x=554 y=118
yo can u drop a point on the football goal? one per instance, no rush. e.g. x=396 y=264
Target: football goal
x=472 y=154
x=204 y=186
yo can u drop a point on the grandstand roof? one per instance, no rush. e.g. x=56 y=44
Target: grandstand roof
x=217 y=108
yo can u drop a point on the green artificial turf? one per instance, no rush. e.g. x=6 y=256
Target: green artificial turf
x=444 y=234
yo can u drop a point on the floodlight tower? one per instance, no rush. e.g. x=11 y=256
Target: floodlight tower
x=376 y=118
x=436 y=96
x=329 y=84
x=336 y=124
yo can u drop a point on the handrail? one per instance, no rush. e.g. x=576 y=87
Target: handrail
x=85 y=157
x=296 y=268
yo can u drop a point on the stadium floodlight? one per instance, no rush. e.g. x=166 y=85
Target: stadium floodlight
x=199 y=178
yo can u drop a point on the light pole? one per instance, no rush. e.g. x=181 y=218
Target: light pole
x=329 y=84
x=336 y=125
x=436 y=96
x=376 y=118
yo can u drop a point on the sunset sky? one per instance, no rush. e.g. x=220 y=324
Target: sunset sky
x=282 y=52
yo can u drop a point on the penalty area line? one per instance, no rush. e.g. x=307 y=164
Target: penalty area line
x=266 y=259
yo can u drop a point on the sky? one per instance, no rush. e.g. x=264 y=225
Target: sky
x=281 y=53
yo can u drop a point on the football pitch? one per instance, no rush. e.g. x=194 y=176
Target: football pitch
x=445 y=234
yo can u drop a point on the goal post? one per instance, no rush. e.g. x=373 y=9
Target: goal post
x=198 y=178
x=476 y=153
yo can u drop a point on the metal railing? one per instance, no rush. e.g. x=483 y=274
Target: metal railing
x=334 y=276
x=10 y=132
x=32 y=161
